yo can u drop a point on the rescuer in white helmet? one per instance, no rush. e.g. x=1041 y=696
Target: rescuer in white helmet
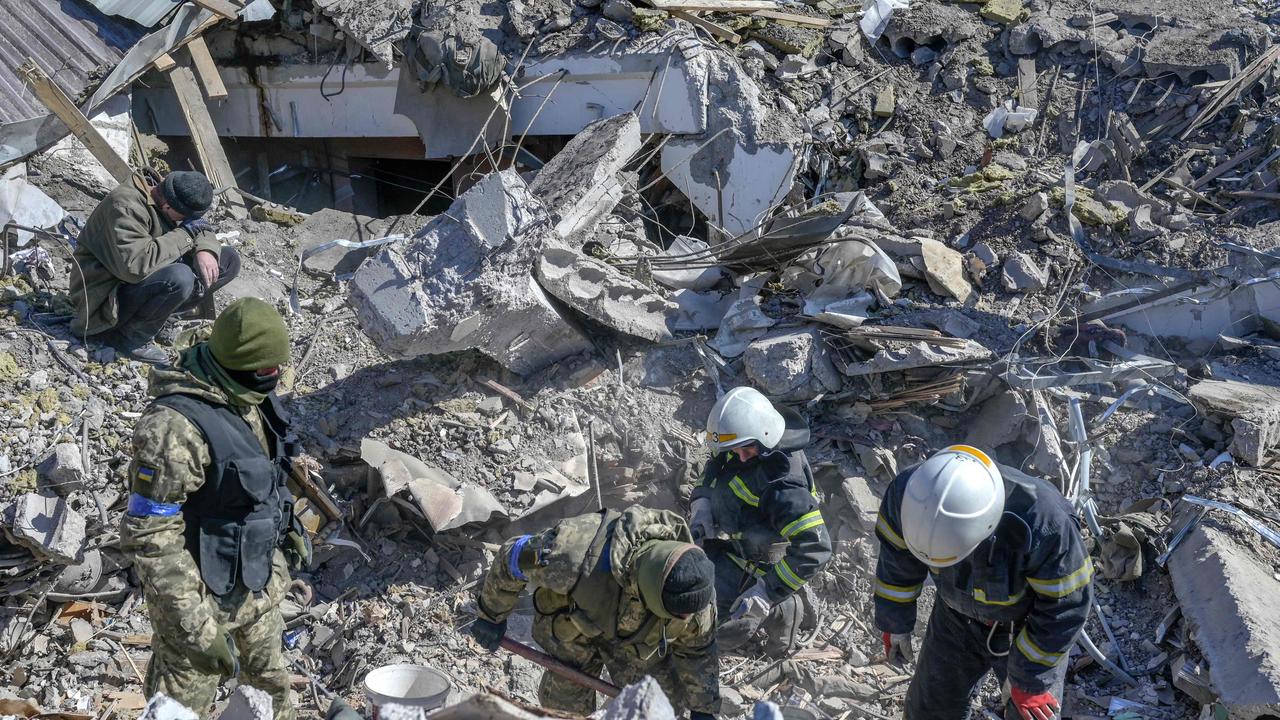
x=1013 y=583
x=756 y=515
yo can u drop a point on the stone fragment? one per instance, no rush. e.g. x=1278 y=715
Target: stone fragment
x=1227 y=594
x=1021 y=274
x=46 y=525
x=643 y=700
x=163 y=707
x=1254 y=411
x=944 y=270
x=278 y=214
x=465 y=281
x=247 y=703
x=983 y=252
x=999 y=422
x=923 y=55
x=62 y=471
x=886 y=102
x=580 y=185
x=81 y=630
x=327 y=225
x=605 y=295
x=791 y=365
x=863 y=501
x=1141 y=226
x=1034 y=207
x=619 y=10
x=1007 y=12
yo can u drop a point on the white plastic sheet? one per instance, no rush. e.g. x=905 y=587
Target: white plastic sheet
x=876 y=15
x=25 y=204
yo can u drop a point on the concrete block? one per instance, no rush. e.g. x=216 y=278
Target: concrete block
x=247 y=703
x=46 y=525
x=1021 y=274
x=643 y=700
x=944 y=270
x=1254 y=411
x=791 y=365
x=1195 y=55
x=605 y=295
x=1227 y=594
x=466 y=281
x=62 y=471
x=163 y=707
x=999 y=422
x=864 y=502
x=580 y=185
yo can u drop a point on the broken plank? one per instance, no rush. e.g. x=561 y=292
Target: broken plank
x=1224 y=167
x=793 y=18
x=1028 y=93
x=59 y=104
x=165 y=62
x=207 y=70
x=205 y=137
x=506 y=392
x=224 y=8
x=719 y=31
x=729 y=6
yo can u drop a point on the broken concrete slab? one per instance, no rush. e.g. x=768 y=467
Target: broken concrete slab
x=999 y=422
x=643 y=700
x=864 y=502
x=465 y=281
x=944 y=270
x=1194 y=54
x=327 y=224
x=580 y=185
x=605 y=294
x=1021 y=274
x=1227 y=594
x=62 y=470
x=46 y=525
x=791 y=365
x=247 y=703
x=1254 y=411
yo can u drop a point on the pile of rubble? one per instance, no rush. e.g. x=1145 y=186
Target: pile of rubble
x=1044 y=229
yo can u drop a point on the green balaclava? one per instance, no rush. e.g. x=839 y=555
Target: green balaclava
x=675 y=578
x=248 y=336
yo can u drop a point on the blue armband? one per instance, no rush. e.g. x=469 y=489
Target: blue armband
x=140 y=506
x=513 y=562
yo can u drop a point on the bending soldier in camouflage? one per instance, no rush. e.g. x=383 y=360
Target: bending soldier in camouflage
x=624 y=591
x=209 y=512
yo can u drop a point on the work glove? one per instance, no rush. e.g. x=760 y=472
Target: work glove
x=754 y=603
x=195 y=226
x=217 y=659
x=701 y=521
x=1034 y=706
x=297 y=550
x=697 y=715
x=488 y=634
x=897 y=648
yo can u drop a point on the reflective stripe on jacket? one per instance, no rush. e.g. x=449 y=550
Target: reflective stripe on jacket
x=1033 y=572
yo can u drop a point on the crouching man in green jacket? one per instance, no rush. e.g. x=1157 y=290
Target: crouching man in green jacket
x=625 y=591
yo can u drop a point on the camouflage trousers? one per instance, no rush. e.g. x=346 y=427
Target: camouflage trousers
x=592 y=657
x=256 y=626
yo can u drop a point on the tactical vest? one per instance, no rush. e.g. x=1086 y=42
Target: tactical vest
x=237 y=519
x=594 y=601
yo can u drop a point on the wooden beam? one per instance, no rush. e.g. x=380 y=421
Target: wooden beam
x=793 y=18
x=59 y=104
x=224 y=8
x=207 y=70
x=719 y=31
x=205 y=136
x=165 y=62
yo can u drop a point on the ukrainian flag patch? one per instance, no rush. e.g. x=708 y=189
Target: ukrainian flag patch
x=145 y=474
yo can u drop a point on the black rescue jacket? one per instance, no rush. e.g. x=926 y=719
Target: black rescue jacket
x=769 y=507
x=1033 y=572
x=237 y=519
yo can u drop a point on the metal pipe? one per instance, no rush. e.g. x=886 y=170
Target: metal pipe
x=1102 y=660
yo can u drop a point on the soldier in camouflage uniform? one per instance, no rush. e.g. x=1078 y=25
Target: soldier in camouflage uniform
x=209 y=513
x=623 y=591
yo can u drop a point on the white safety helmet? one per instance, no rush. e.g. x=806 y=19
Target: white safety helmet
x=741 y=416
x=953 y=501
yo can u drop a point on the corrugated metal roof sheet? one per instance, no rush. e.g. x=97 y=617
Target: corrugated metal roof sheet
x=144 y=12
x=68 y=38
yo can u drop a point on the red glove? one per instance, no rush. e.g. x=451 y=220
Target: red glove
x=888 y=643
x=1037 y=706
